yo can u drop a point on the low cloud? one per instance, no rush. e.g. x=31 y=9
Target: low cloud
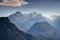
x=14 y=3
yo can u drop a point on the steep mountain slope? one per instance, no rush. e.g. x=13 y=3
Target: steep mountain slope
x=9 y=31
x=44 y=31
x=56 y=22
x=17 y=19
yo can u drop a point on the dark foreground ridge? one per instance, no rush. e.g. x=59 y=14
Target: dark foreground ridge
x=8 y=31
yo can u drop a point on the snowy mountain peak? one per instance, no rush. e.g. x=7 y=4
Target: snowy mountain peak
x=18 y=12
x=39 y=15
x=31 y=15
x=34 y=13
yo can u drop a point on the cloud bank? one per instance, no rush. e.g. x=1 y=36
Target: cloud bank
x=14 y=3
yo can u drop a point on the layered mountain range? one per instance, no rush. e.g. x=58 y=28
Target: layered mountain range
x=9 y=31
x=24 y=22
x=37 y=25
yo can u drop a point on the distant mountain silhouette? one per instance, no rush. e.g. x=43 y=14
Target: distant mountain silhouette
x=9 y=31
x=44 y=31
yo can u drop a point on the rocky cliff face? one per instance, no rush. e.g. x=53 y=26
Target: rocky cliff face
x=9 y=31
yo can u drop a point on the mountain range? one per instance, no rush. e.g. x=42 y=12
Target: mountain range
x=9 y=31
x=24 y=22
x=37 y=25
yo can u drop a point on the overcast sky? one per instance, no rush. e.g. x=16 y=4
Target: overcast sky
x=40 y=6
